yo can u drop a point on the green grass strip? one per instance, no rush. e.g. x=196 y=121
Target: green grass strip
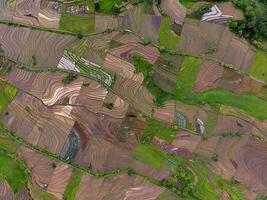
x=166 y=37
x=13 y=171
x=77 y=24
x=73 y=185
x=7 y=92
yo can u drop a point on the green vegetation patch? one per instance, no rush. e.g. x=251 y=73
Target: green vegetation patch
x=142 y=66
x=154 y=157
x=7 y=143
x=13 y=171
x=114 y=44
x=38 y=193
x=8 y=92
x=247 y=103
x=187 y=3
x=108 y=6
x=231 y=188
x=258 y=68
x=73 y=185
x=163 y=196
x=167 y=39
x=188 y=73
x=77 y=24
x=201 y=11
x=157 y=128
x=203 y=189
x=211 y=121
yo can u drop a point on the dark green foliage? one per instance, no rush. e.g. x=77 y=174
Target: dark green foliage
x=28 y=109
x=79 y=36
x=156 y=128
x=2 y=52
x=6 y=70
x=229 y=134
x=254 y=25
x=214 y=157
x=181 y=183
x=201 y=11
x=261 y=197
x=52 y=165
x=34 y=60
x=146 y=41
x=114 y=44
x=109 y=105
x=69 y=78
x=66 y=100
x=142 y=66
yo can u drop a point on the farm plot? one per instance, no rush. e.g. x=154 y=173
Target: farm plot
x=213 y=75
x=216 y=41
x=7 y=9
x=166 y=113
x=71 y=61
x=93 y=48
x=27 y=12
x=22 y=79
x=256 y=127
x=192 y=113
x=228 y=8
x=124 y=188
x=103 y=23
x=59 y=93
x=114 y=106
x=47 y=174
x=174 y=9
x=37 y=124
x=13 y=41
x=122 y=68
x=33 y=53
x=49 y=15
x=77 y=23
x=146 y=25
x=126 y=51
x=7 y=193
x=92 y=96
x=244 y=160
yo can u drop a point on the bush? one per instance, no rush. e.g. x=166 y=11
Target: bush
x=146 y=41
x=214 y=157
x=201 y=11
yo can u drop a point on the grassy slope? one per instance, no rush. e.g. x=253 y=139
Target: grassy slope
x=188 y=73
x=13 y=171
x=259 y=66
x=203 y=189
x=7 y=92
x=77 y=24
x=159 y=129
x=187 y=3
x=154 y=157
x=231 y=188
x=166 y=38
x=107 y=5
x=162 y=196
x=73 y=185
x=247 y=103
x=37 y=193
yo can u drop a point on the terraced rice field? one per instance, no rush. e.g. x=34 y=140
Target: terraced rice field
x=149 y=110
